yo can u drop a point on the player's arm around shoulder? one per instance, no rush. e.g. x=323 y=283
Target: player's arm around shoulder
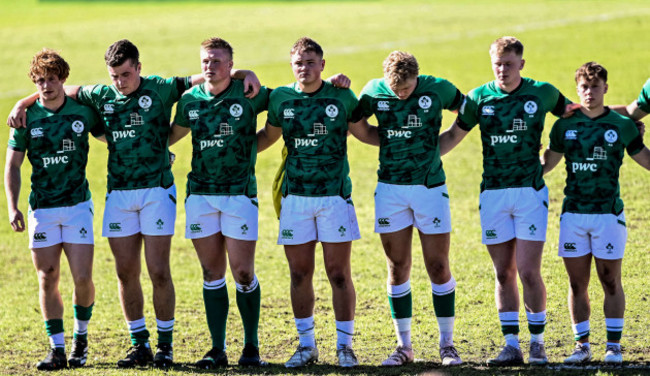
x=452 y=137
x=555 y=151
x=636 y=149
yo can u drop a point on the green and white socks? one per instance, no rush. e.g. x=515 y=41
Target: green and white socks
x=55 y=332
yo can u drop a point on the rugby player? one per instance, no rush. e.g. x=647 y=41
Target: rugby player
x=592 y=224
x=411 y=192
x=514 y=199
x=141 y=199
x=314 y=117
x=60 y=215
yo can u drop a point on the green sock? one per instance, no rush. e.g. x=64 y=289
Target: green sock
x=445 y=305
x=138 y=331
x=165 y=331
x=81 y=317
x=248 y=302
x=215 y=298
x=54 y=329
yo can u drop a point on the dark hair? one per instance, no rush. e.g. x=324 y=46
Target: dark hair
x=121 y=51
x=591 y=71
x=306 y=44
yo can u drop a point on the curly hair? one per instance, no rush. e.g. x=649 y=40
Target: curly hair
x=591 y=71
x=48 y=62
x=400 y=66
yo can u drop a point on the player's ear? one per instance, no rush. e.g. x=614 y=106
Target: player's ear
x=138 y=67
x=606 y=87
x=523 y=62
x=322 y=66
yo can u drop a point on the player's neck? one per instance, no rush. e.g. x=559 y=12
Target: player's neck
x=509 y=88
x=217 y=87
x=592 y=112
x=53 y=104
x=312 y=87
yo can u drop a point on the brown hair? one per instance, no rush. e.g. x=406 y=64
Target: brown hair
x=48 y=62
x=591 y=71
x=121 y=51
x=217 y=43
x=306 y=44
x=507 y=44
x=400 y=66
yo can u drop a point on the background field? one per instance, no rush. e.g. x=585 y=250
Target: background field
x=450 y=39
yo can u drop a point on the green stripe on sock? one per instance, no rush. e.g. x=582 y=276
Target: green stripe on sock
x=536 y=329
x=509 y=329
x=445 y=305
x=614 y=336
x=249 y=310
x=401 y=308
x=140 y=337
x=83 y=313
x=54 y=326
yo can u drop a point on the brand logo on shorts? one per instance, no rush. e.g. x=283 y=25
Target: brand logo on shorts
x=288 y=113
x=611 y=136
x=193 y=114
x=571 y=134
x=160 y=223
x=383 y=222
x=244 y=229
x=331 y=111
x=530 y=107
x=109 y=108
x=491 y=234
x=145 y=101
x=570 y=247
x=342 y=231
x=77 y=126
x=115 y=226
x=287 y=234
x=383 y=106
x=424 y=102
x=609 y=248
x=83 y=233
x=487 y=110
x=436 y=222
x=195 y=227
x=532 y=229
x=40 y=237
x=36 y=132
x=236 y=110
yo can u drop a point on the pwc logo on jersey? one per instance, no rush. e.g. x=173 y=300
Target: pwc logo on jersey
x=145 y=102
x=383 y=106
x=288 y=113
x=78 y=126
x=487 y=110
x=424 y=102
x=236 y=110
x=332 y=111
x=36 y=132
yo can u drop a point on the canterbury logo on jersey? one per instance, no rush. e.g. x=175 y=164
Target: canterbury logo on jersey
x=36 y=132
x=115 y=226
x=383 y=106
x=40 y=237
x=193 y=114
x=577 y=166
x=204 y=144
x=288 y=113
x=55 y=160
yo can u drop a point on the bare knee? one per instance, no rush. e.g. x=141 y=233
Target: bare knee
x=243 y=276
x=160 y=278
x=300 y=277
x=505 y=276
x=610 y=284
x=82 y=280
x=530 y=277
x=48 y=279
x=338 y=279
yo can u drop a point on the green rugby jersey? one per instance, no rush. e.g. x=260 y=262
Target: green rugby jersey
x=644 y=97
x=137 y=130
x=314 y=129
x=224 y=142
x=56 y=143
x=408 y=129
x=593 y=151
x=511 y=127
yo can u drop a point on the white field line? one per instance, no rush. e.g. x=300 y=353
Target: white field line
x=444 y=38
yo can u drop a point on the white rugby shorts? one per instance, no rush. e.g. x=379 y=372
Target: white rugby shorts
x=510 y=213
x=603 y=235
x=329 y=219
x=234 y=216
x=400 y=206
x=65 y=224
x=150 y=211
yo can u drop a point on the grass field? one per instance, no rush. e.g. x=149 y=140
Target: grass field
x=450 y=39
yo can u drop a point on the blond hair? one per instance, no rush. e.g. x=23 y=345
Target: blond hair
x=399 y=67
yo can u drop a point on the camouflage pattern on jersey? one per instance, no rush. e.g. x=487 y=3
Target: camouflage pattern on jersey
x=57 y=148
x=511 y=127
x=644 y=98
x=593 y=152
x=314 y=129
x=408 y=129
x=224 y=142
x=137 y=130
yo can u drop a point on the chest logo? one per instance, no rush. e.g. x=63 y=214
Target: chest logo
x=36 y=132
x=383 y=106
x=518 y=125
x=530 y=107
x=413 y=121
x=134 y=120
x=78 y=126
x=288 y=113
x=145 y=101
x=571 y=134
x=193 y=114
x=236 y=110
x=486 y=111
x=611 y=136
x=109 y=108
x=331 y=111
x=424 y=102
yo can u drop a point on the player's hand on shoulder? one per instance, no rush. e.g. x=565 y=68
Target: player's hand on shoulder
x=17 y=116
x=340 y=80
x=640 y=126
x=252 y=84
x=17 y=220
x=570 y=109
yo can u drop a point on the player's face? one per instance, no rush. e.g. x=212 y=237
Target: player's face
x=49 y=87
x=591 y=93
x=307 y=67
x=507 y=69
x=215 y=65
x=404 y=89
x=125 y=77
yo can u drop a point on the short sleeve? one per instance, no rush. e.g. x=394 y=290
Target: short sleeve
x=17 y=139
x=89 y=95
x=180 y=118
x=555 y=142
x=644 y=98
x=467 y=114
x=631 y=137
x=261 y=100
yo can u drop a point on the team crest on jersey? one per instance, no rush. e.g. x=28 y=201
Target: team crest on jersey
x=383 y=106
x=571 y=134
x=36 y=132
x=331 y=111
x=424 y=102
x=78 y=126
x=486 y=111
x=145 y=101
x=236 y=110
x=530 y=107
x=611 y=136
x=109 y=108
